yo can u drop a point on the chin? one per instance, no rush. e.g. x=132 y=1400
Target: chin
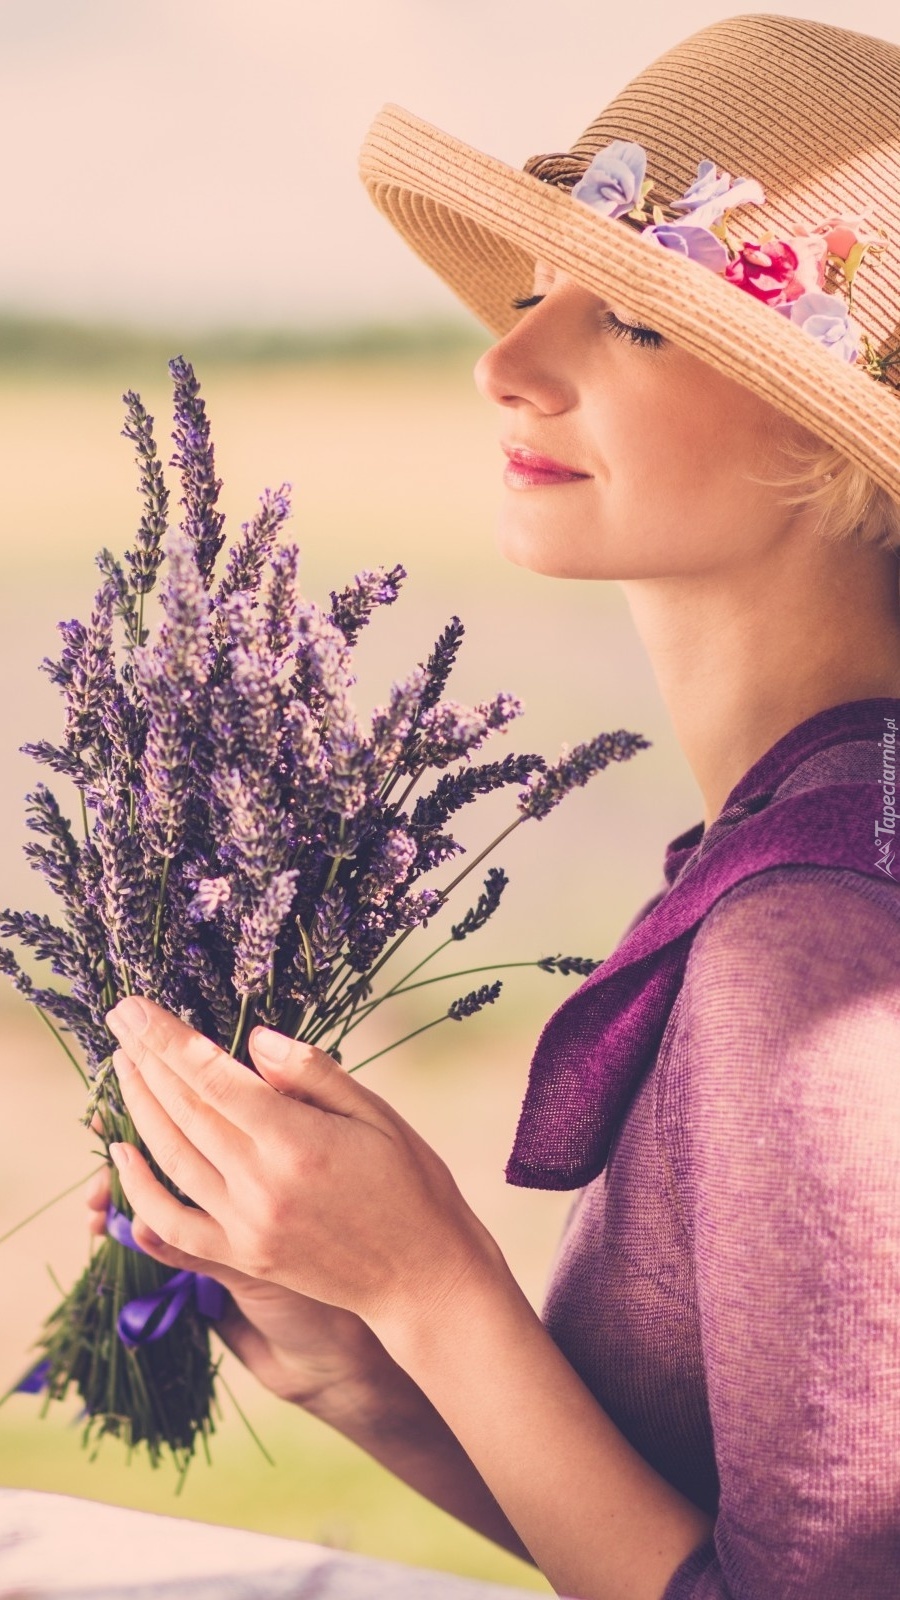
x=538 y=555
x=526 y=549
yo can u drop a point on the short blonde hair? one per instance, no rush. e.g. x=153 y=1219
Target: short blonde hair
x=851 y=505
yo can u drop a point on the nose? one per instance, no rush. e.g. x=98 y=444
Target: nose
x=526 y=366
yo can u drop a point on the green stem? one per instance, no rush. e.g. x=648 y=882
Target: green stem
x=467 y=972
x=307 y=951
x=245 y=1006
x=336 y=860
x=245 y=1420
x=397 y=1042
x=48 y=1203
x=157 y=924
x=479 y=858
x=58 y=1036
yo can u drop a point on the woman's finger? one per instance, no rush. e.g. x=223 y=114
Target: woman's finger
x=311 y=1075
x=183 y=1228
x=151 y=1034
x=98 y=1190
x=171 y=1139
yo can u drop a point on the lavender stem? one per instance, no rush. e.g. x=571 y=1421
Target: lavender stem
x=397 y=1042
x=245 y=1006
x=48 y=1203
x=370 y=1005
x=58 y=1036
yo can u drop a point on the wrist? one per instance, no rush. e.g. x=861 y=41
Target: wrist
x=414 y=1326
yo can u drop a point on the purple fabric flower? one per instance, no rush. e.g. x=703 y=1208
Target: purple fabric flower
x=711 y=195
x=687 y=239
x=612 y=182
x=826 y=319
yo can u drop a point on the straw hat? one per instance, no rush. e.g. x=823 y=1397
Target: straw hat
x=810 y=111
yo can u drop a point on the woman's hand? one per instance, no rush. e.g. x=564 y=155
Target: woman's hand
x=301 y=1177
x=298 y=1348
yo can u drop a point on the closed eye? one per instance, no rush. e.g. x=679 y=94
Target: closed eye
x=633 y=331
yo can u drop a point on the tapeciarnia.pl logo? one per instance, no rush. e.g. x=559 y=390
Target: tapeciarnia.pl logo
x=886 y=829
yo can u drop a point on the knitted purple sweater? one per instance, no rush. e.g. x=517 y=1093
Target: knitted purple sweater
x=729 y=1285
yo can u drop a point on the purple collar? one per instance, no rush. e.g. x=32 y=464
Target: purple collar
x=596 y=1047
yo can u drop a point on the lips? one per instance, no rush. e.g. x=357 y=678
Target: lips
x=525 y=469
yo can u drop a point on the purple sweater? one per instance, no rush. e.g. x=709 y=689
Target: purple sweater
x=729 y=1285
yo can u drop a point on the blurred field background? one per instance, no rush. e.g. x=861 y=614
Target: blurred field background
x=149 y=218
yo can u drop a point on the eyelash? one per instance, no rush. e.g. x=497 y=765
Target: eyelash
x=636 y=333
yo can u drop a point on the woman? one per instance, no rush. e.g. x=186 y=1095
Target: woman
x=710 y=1404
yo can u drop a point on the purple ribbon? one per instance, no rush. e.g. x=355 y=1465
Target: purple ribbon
x=135 y=1316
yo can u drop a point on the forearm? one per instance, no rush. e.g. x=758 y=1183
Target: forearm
x=599 y=1521
x=389 y=1417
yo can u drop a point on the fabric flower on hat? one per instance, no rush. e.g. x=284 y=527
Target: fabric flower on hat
x=698 y=244
x=764 y=270
x=787 y=274
x=827 y=320
x=848 y=239
x=614 y=181
x=811 y=252
x=712 y=194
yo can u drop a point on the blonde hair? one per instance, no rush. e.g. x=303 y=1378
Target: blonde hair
x=849 y=502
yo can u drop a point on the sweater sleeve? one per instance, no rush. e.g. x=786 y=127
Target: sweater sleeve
x=782 y=1114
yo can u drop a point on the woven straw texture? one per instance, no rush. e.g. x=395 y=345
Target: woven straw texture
x=810 y=110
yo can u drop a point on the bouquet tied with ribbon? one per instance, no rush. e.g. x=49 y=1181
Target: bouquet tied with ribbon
x=247 y=850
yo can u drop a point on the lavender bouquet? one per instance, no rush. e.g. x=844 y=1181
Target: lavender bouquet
x=249 y=852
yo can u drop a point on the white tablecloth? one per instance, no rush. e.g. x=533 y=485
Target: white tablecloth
x=57 y=1547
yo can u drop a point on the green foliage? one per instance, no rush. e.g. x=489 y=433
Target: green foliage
x=55 y=345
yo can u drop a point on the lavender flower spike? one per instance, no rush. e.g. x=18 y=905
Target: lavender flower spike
x=545 y=790
x=259 y=935
x=468 y=1004
x=248 y=556
x=440 y=663
x=147 y=555
x=171 y=677
x=195 y=458
x=488 y=901
x=352 y=608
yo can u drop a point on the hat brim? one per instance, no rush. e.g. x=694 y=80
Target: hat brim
x=481 y=224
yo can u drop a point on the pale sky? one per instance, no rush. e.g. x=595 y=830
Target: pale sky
x=194 y=161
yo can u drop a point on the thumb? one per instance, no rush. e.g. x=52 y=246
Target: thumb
x=306 y=1073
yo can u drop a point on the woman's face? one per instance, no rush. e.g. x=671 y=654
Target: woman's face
x=663 y=442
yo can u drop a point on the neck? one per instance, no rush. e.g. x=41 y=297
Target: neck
x=743 y=657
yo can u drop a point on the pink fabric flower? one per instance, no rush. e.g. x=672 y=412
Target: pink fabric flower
x=841 y=234
x=811 y=250
x=763 y=270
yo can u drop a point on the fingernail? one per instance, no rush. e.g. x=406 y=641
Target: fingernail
x=118 y=1154
x=132 y=1013
x=274 y=1046
x=123 y=1064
